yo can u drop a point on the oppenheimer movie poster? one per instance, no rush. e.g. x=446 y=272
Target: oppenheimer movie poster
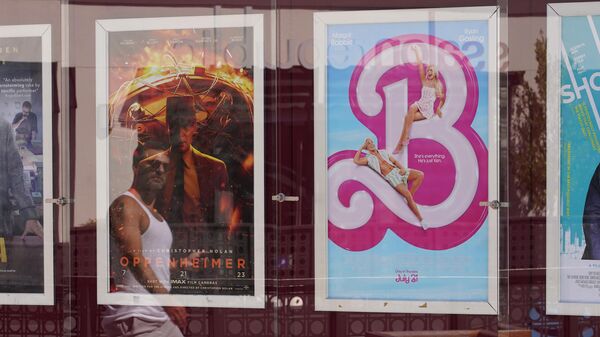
x=181 y=143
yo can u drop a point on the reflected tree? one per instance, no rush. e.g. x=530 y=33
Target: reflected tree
x=527 y=154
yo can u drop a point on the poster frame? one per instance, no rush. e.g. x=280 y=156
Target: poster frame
x=555 y=12
x=321 y=22
x=103 y=29
x=44 y=32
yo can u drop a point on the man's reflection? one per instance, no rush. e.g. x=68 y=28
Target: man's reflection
x=142 y=241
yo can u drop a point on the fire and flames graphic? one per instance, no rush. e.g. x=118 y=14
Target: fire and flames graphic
x=147 y=79
x=223 y=99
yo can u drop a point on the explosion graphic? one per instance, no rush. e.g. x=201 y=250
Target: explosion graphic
x=216 y=90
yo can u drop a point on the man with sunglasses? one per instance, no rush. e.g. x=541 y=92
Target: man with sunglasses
x=141 y=242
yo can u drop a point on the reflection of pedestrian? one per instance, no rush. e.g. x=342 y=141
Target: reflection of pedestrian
x=142 y=243
x=25 y=124
x=431 y=90
x=11 y=179
x=394 y=173
x=591 y=219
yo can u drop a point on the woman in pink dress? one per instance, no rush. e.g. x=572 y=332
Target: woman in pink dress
x=431 y=90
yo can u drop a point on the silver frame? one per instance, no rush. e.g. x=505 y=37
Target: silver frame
x=321 y=22
x=43 y=31
x=103 y=29
x=555 y=12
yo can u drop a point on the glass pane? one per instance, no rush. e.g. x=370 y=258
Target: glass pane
x=381 y=267
x=277 y=97
x=174 y=103
x=33 y=244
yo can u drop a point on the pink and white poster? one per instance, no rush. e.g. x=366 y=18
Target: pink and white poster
x=406 y=105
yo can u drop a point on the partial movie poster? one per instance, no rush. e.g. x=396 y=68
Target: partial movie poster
x=409 y=105
x=25 y=219
x=579 y=160
x=184 y=152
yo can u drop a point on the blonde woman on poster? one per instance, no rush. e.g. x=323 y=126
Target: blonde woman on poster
x=431 y=90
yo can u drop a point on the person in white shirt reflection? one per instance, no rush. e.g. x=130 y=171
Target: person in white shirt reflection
x=141 y=243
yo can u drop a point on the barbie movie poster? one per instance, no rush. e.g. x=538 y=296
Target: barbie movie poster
x=408 y=136
x=579 y=161
x=181 y=146
x=25 y=167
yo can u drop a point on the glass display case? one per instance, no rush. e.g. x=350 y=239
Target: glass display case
x=298 y=168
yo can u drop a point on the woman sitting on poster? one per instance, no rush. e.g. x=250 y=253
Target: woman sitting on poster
x=431 y=90
x=394 y=173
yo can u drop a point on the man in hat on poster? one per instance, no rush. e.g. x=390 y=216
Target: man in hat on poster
x=195 y=181
x=194 y=198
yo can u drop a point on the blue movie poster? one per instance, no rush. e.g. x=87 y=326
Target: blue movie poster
x=407 y=113
x=580 y=159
